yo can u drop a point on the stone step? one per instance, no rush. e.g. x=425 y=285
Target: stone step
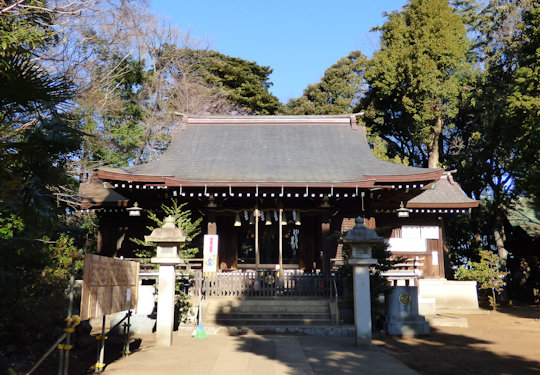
x=269 y=322
x=269 y=316
x=268 y=309
x=267 y=302
x=320 y=330
x=255 y=312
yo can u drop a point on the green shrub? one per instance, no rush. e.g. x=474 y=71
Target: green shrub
x=487 y=274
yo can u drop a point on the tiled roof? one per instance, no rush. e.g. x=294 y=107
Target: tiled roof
x=525 y=214
x=276 y=150
x=97 y=192
x=444 y=193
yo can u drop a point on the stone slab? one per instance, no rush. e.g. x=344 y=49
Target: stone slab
x=447 y=321
x=259 y=354
x=450 y=294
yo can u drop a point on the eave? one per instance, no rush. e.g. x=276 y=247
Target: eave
x=171 y=181
x=473 y=204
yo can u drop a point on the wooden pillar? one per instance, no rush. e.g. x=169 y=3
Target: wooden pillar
x=325 y=232
x=280 y=226
x=444 y=253
x=212 y=225
x=257 y=252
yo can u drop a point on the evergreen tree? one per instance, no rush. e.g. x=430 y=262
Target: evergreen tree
x=416 y=79
x=496 y=148
x=244 y=82
x=338 y=91
x=523 y=103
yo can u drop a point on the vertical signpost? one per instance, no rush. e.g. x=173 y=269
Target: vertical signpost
x=210 y=253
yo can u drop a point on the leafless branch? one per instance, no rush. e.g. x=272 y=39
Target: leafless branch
x=18 y=129
x=12 y=6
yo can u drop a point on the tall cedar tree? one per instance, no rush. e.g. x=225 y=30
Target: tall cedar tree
x=416 y=78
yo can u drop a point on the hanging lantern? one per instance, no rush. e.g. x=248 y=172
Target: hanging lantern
x=237 y=221
x=135 y=210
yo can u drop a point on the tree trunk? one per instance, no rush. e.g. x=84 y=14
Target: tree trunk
x=498 y=233
x=494 y=300
x=433 y=145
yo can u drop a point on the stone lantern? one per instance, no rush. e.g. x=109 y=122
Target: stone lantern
x=360 y=240
x=167 y=238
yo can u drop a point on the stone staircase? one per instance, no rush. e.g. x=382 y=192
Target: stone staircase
x=278 y=315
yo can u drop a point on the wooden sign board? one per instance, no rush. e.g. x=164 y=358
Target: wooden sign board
x=110 y=285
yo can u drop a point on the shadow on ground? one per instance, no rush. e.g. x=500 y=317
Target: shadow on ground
x=447 y=354
x=525 y=311
x=83 y=359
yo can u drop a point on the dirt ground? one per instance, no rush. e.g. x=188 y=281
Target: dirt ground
x=502 y=342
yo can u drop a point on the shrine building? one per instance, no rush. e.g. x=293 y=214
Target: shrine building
x=276 y=190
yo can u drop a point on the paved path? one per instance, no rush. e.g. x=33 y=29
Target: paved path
x=262 y=355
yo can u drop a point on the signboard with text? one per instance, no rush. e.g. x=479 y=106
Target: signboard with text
x=110 y=285
x=210 y=251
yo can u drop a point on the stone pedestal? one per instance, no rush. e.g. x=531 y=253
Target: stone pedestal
x=362 y=300
x=402 y=317
x=360 y=239
x=165 y=306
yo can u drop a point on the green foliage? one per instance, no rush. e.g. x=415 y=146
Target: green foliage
x=469 y=10
x=379 y=148
x=416 y=79
x=61 y=254
x=10 y=226
x=245 y=82
x=35 y=277
x=523 y=102
x=338 y=91
x=183 y=221
x=182 y=303
x=28 y=90
x=487 y=273
x=496 y=142
x=37 y=141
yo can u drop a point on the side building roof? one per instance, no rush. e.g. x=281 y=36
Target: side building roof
x=444 y=193
x=314 y=151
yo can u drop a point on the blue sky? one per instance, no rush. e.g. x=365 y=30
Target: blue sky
x=298 y=39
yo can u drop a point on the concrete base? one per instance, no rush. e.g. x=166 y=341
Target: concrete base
x=447 y=321
x=408 y=327
x=426 y=306
x=450 y=295
x=402 y=317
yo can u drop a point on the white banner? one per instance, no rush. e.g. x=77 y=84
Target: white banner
x=407 y=245
x=210 y=253
x=416 y=232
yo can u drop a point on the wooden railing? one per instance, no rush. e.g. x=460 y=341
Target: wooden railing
x=266 y=284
